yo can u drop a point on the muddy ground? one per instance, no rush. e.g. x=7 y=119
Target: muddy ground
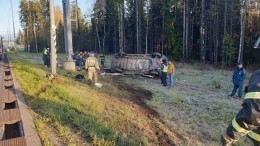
x=138 y=96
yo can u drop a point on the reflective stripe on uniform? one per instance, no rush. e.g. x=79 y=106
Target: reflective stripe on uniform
x=238 y=128
x=254 y=136
x=253 y=95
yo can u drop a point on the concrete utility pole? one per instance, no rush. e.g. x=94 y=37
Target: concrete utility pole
x=65 y=31
x=67 y=25
x=76 y=7
x=13 y=17
x=53 y=40
x=69 y=64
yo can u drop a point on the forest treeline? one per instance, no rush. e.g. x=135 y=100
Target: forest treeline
x=220 y=32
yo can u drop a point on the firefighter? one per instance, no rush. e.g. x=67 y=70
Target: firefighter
x=92 y=66
x=247 y=121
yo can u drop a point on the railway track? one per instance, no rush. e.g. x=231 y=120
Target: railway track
x=16 y=124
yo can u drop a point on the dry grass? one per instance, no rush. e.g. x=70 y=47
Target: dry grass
x=99 y=116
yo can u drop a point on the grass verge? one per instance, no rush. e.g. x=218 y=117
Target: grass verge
x=74 y=108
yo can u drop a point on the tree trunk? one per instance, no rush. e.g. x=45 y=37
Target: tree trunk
x=225 y=31
x=242 y=31
x=187 y=30
x=216 y=33
x=202 y=32
x=121 y=26
x=192 y=27
x=115 y=38
x=104 y=38
x=27 y=37
x=162 y=28
x=231 y=19
x=99 y=47
x=184 y=30
x=147 y=27
x=137 y=25
x=35 y=37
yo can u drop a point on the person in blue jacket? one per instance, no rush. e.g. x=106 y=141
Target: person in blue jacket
x=238 y=79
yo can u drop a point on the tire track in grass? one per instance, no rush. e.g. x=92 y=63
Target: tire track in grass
x=138 y=96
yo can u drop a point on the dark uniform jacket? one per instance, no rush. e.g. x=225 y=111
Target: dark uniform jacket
x=239 y=76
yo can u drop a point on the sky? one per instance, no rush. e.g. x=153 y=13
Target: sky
x=6 y=14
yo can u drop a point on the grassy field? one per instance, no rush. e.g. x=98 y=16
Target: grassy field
x=198 y=108
x=127 y=110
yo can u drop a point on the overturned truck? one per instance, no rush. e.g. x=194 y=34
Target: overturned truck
x=145 y=64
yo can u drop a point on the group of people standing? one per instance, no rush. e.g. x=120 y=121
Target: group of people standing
x=167 y=70
x=80 y=58
x=85 y=60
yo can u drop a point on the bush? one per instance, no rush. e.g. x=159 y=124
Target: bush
x=216 y=84
x=12 y=48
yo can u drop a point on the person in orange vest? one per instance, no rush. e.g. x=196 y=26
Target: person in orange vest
x=171 y=71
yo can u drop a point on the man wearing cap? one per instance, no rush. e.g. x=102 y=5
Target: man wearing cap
x=92 y=66
x=238 y=79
